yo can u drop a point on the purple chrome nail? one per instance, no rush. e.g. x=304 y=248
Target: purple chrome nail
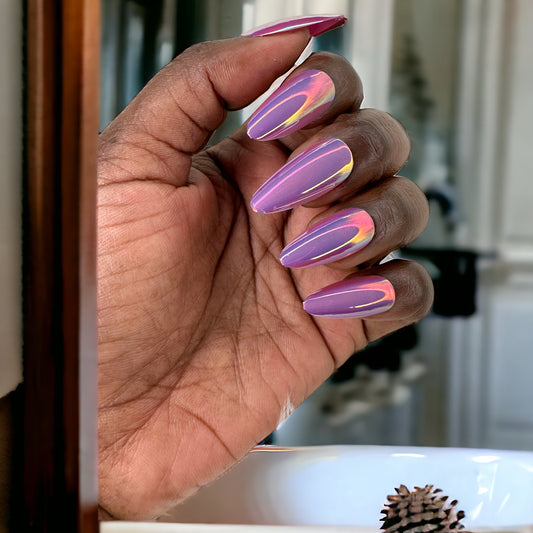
x=309 y=175
x=353 y=297
x=333 y=238
x=298 y=102
x=316 y=24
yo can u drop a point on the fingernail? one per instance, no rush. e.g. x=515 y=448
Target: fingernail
x=309 y=175
x=333 y=238
x=316 y=24
x=354 y=297
x=298 y=102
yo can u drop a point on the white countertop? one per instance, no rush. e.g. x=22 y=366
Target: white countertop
x=155 y=527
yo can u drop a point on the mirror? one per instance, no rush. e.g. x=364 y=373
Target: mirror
x=457 y=75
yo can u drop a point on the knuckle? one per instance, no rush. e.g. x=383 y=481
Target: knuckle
x=197 y=51
x=400 y=142
x=386 y=137
x=332 y=62
x=419 y=290
x=407 y=208
x=348 y=84
x=371 y=130
x=327 y=57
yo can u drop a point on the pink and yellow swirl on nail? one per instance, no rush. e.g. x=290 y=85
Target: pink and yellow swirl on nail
x=333 y=238
x=297 y=103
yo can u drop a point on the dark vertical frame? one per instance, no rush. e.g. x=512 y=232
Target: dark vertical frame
x=60 y=348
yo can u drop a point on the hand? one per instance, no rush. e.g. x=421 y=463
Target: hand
x=203 y=341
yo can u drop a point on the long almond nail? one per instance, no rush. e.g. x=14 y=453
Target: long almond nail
x=354 y=297
x=298 y=102
x=316 y=24
x=309 y=175
x=333 y=238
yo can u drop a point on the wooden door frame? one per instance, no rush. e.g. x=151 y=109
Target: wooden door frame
x=59 y=266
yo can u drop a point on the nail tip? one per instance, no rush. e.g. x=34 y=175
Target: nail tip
x=257 y=135
x=308 y=308
x=290 y=262
x=272 y=136
x=249 y=131
x=256 y=208
x=263 y=209
x=335 y=22
x=260 y=205
x=286 y=262
x=316 y=25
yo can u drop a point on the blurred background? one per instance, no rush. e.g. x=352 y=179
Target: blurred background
x=458 y=75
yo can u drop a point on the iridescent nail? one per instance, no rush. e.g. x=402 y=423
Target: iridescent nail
x=316 y=24
x=298 y=102
x=333 y=238
x=353 y=297
x=309 y=175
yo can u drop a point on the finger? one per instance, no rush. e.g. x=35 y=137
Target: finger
x=386 y=297
x=414 y=297
x=342 y=158
x=316 y=92
x=360 y=231
x=174 y=115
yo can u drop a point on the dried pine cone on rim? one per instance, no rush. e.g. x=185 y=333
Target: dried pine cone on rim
x=422 y=510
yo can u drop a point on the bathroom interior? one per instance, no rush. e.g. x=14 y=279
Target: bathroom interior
x=455 y=73
x=458 y=76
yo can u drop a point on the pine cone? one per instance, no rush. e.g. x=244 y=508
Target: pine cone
x=421 y=511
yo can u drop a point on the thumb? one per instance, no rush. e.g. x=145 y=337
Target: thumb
x=176 y=112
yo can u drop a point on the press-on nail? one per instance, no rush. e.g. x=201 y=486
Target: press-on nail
x=316 y=24
x=353 y=297
x=309 y=175
x=298 y=102
x=333 y=238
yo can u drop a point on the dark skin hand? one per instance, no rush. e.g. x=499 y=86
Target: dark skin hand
x=203 y=341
